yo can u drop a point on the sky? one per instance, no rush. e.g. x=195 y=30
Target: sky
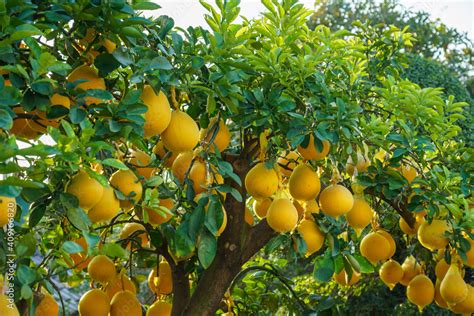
x=454 y=13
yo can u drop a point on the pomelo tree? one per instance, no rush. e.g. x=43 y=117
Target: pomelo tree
x=129 y=145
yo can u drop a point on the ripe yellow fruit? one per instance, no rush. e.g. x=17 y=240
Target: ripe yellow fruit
x=120 y=283
x=453 y=289
x=158 y=114
x=7 y=307
x=87 y=190
x=106 y=208
x=182 y=133
x=360 y=215
x=431 y=235
x=22 y=127
x=94 y=303
x=391 y=273
x=140 y=161
x=438 y=299
x=80 y=259
x=160 y=308
x=288 y=162
x=128 y=184
x=441 y=268
x=153 y=280
x=312 y=236
x=248 y=217
x=408 y=172
x=362 y=164
x=311 y=206
x=129 y=229
x=7 y=209
x=342 y=278
x=165 y=279
x=304 y=183
x=181 y=165
x=411 y=268
x=47 y=306
x=93 y=81
x=221 y=138
x=375 y=247
x=335 y=200
x=312 y=152
x=156 y=218
x=261 y=182
x=101 y=269
x=260 y=207
x=421 y=291
x=198 y=175
x=466 y=307
x=419 y=219
x=161 y=152
x=125 y=303
x=391 y=241
x=282 y=215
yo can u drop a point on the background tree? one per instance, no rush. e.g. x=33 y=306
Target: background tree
x=122 y=96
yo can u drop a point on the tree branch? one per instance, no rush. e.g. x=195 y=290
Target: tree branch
x=258 y=236
x=400 y=209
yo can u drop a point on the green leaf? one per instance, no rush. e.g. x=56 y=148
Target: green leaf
x=6 y=121
x=23 y=31
x=25 y=274
x=26 y=245
x=36 y=214
x=197 y=62
x=207 y=248
x=15 y=181
x=324 y=268
x=159 y=62
x=26 y=292
x=106 y=64
x=114 y=163
x=113 y=251
x=71 y=247
x=364 y=264
x=77 y=115
x=146 y=6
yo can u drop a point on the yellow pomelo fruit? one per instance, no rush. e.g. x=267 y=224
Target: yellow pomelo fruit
x=261 y=182
x=391 y=241
x=198 y=175
x=335 y=200
x=161 y=152
x=312 y=236
x=94 y=303
x=453 y=289
x=466 y=307
x=93 y=81
x=47 y=306
x=181 y=165
x=101 y=269
x=360 y=215
x=304 y=183
x=299 y=209
x=7 y=307
x=158 y=114
x=260 y=207
x=153 y=280
x=431 y=235
x=87 y=190
x=312 y=152
x=419 y=219
x=120 y=283
x=221 y=138
x=128 y=184
x=441 y=268
x=282 y=215
x=408 y=172
x=22 y=127
x=80 y=259
x=125 y=303
x=7 y=209
x=342 y=278
x=140 y=162
x=391 y=273
x=421 y=291
x=288 y=162
x=129 y=229
x=438 y=299
x=248 y=217
x=375 y=247
x=311 y=206
x=155 y=218
x=160 y=308
x=362 y=164
x=182 y=133
x=411 y=268
x=165 y=278
x=106 y=208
